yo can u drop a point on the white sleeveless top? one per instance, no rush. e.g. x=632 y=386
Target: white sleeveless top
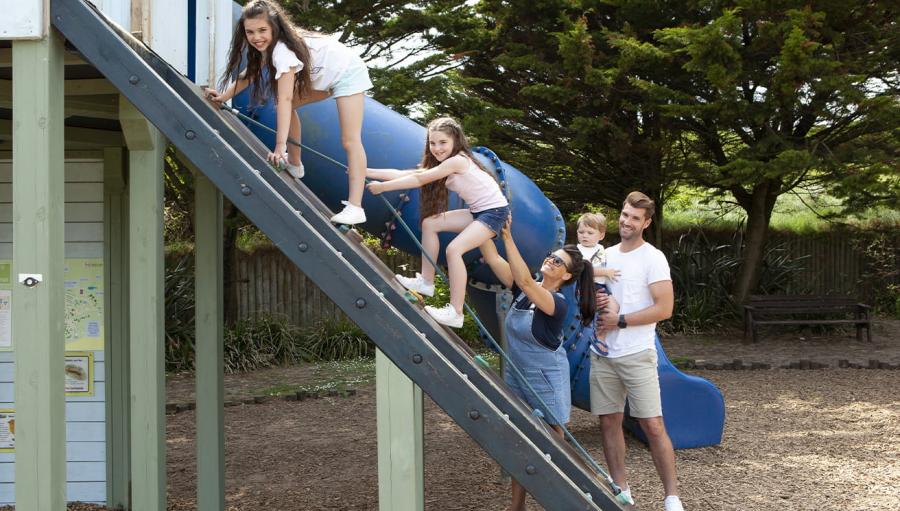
x=328 y=60
x=477 y=189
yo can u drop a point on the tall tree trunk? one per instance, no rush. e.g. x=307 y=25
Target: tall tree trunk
x=759 y=207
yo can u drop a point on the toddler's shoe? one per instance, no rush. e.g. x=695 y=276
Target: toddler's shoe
x=673 y=503
x=446 y=315
x=350 y=215
x=416 y=284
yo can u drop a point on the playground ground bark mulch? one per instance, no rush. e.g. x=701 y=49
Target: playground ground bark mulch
x=816 y=440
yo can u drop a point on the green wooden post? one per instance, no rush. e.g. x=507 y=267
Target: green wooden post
x=401 y=485
x=146 y=265
x=209 y=345
x=38 y=312
x=115 y=257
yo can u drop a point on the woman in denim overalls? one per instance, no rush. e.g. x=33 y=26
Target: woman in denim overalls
x=534 y=327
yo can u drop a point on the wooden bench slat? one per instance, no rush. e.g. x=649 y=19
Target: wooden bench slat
x=760 y=307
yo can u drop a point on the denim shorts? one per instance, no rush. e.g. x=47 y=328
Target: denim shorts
x=354 y=80
x=494 y=218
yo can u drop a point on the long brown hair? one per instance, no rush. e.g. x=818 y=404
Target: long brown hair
x=282 y=30
x=582 y=272
x=433 y=197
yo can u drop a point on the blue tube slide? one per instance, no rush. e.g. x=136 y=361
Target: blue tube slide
x=694 y=408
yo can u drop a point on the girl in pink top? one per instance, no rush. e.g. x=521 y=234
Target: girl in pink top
x=448 y=164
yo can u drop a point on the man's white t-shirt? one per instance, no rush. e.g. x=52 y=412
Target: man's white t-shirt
x=328 y=60
x=639 y=268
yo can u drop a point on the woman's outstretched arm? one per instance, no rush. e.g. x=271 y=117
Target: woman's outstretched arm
x=540 y=297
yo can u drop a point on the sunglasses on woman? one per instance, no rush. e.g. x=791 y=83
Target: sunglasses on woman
x=556 y=261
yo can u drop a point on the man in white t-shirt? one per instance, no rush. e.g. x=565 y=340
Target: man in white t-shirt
x=645 y=296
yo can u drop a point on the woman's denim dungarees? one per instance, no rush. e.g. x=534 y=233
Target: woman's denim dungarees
x=546 y=370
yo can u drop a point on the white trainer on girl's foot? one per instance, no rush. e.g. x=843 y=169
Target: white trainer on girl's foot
x=416 y=284
x=296 y=171
x=673 y=503
x=350 y=215
x=446 y=315
x=624 y=497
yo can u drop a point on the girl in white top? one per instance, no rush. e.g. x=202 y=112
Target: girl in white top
x=301 y=68
x=448 y=164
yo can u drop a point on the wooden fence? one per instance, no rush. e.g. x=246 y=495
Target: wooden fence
x=267 y=282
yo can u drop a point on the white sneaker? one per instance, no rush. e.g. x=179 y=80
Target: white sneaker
x=350 y=215
x=624 y=497
x=296 y=171
x=446 y=315
x=416 y=284
x=673 y=503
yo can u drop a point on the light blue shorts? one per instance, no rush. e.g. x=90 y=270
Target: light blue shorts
x=354 y=80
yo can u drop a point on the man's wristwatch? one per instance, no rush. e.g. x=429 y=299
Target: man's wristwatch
x=622 y=323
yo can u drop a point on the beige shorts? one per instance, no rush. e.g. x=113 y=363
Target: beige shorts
x=633 y=376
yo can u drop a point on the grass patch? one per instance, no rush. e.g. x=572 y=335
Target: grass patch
x=280 y=389
x=341 y=375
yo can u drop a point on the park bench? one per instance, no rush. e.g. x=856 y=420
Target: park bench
x=805 y=310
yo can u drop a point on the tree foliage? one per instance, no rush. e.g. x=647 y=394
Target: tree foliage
x=768 y=96
x=749 y=99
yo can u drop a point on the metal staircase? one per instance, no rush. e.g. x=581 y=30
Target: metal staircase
x=297 y=222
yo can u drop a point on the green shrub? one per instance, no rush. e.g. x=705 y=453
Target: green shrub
x=882 y=270
x=337 y=340
x=266 y=341
x=178 y=285
x=703 y=274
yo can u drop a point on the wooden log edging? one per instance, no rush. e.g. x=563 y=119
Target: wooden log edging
x=802 y=364
x=301 y=395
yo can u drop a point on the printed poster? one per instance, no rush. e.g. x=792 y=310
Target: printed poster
x=83 y=283
x=5 y=319
x=79 y=374
x=7 y=430
x=84 y=304
x=5 y=306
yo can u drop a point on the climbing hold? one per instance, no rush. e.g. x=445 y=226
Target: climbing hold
x=360 y=303
x=133 y=79
x=530 y=470
x=190 y=135
x=245 y=190
x=417 y=359
x=302 y=246
x=474 y=415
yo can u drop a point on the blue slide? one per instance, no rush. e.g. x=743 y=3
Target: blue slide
x=693 y=408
